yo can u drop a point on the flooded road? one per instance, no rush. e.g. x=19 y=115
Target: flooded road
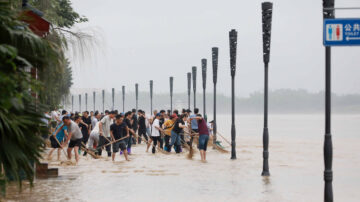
x=296 y=167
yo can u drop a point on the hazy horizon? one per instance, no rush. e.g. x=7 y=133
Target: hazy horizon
x=153 y=40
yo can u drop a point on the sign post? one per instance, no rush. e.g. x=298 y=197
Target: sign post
x=328 y=148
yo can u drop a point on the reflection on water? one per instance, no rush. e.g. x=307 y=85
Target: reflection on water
x=296 y=167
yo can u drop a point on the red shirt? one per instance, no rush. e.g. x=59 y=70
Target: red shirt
x=202 y=127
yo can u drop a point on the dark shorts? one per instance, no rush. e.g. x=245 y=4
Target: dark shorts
x=117 y=145
x=203 y=141
x=75 y=143
x=54 y=143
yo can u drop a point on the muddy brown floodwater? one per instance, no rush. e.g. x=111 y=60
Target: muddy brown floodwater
x=296 y=167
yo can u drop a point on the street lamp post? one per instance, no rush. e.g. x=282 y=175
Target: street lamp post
x=328 y=13
x=80 y=103
x=215 y=55
x=171 y=93
x=189 y=88
x=203 y=67
x=94 y=94
x=267 y=8
x=112 y=98
x=151 y=96
x=103 y=101
x=233 y=45
x=72 y=103
x=137 y=96
x=86 y=99
x=123 y=98
x=194 y=84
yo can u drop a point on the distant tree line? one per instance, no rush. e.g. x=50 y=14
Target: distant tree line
x=280 y=101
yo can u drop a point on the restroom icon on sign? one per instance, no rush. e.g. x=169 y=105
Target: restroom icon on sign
x=334 y=32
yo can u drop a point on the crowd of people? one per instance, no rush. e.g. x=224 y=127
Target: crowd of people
x=115 y=132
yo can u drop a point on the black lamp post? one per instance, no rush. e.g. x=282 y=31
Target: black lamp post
x=189 y=88
x=203 y=67
x=151 y=96
x=194 y=84
x=86 y=99
x=137 y=96
x=112 y=98
x=103 y=101
x=171 y=93
x=266 y=26
x=80 y=103
x=328 y=13
x=215 y=55
x=233 y=44
x=72 y=103
x=94 y=94
x=123 y=98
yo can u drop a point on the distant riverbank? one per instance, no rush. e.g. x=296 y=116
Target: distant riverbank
x=280 y=101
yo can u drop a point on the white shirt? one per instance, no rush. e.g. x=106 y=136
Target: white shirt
x=96 y=128
x=94 y=121
x=106 y=121
x=155 y=132
x=54 y=116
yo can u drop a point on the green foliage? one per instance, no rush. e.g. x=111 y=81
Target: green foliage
x=20 y=140
x=20 y=116
x=59 y=12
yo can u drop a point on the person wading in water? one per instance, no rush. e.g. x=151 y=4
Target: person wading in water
x=119 y=130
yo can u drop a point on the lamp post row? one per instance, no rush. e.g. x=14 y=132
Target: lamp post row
x=267 y=8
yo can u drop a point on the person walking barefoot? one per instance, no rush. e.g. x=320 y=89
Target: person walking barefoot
x=119 y=130
x=203 y=135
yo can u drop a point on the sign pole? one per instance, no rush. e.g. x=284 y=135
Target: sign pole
x=171 y=93
x=215 y=54
x=189 y=87
x=233 y=44
x=267 y=8
x=328 y=149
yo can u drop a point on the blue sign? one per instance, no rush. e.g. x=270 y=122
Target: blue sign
x=342 y=32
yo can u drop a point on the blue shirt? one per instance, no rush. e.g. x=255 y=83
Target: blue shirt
x=61 y=134
x=194 y=123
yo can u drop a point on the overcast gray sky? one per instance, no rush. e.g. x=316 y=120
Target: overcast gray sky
x=155 y=39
